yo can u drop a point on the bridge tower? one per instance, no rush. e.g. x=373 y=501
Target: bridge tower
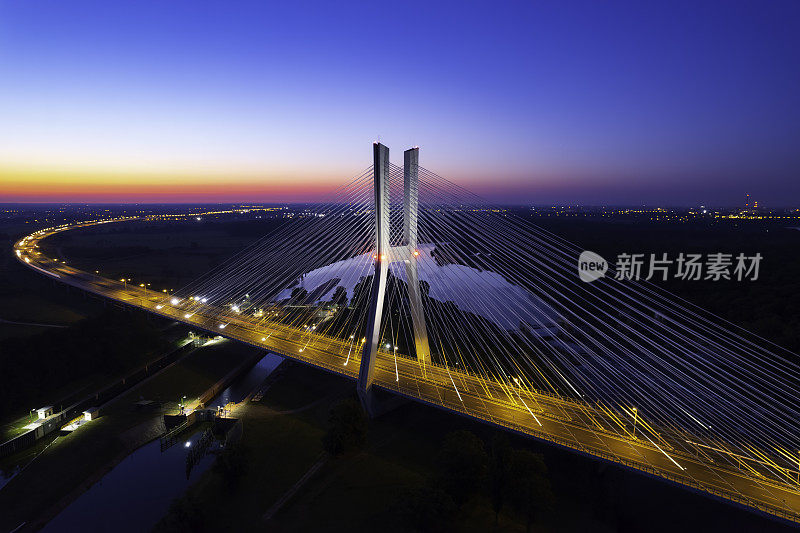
x=384 y=254
x=412 y=254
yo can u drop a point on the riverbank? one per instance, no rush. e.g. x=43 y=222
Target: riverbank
x=73 y=463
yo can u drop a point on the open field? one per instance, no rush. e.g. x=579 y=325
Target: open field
x=26 y=296
x=360 y=491
x=165 y=254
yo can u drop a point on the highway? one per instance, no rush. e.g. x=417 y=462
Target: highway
x=768 y=482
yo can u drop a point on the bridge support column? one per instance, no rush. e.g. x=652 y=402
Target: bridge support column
x=367 y=369
x=410 y=217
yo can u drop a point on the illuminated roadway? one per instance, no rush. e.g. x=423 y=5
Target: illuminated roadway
x=589 y=428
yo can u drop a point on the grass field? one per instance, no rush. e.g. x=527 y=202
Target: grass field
x=279 y=448
x=190 y=377
x=166 y=255
x=26 y=296
x=359 y=492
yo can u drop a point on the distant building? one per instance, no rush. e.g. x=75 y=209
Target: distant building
x=44 y=412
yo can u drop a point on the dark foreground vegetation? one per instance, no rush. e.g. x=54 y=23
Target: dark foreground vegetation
x=417 y=468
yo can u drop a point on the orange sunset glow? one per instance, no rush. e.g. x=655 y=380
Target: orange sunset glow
x=23 y=185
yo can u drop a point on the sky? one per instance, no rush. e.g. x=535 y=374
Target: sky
x=596 y=102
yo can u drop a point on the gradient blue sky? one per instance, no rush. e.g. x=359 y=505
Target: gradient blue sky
x=590 y=102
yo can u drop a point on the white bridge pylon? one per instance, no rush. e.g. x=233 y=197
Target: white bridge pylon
x=384 y=255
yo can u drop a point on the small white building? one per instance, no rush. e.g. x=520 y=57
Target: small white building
x=44 y=412
x=91 y=413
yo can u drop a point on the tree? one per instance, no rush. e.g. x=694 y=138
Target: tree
x=462 y=462
x=185 y=515
x=425 y=509
x=499 y=455
x=528 y=485
x=231 y=465
x=299 y=294
x=339 y=296
x=347 y=428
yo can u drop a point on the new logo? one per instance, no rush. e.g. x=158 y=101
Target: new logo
x=591 y=266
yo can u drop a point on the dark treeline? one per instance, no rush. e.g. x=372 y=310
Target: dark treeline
x=35 y=368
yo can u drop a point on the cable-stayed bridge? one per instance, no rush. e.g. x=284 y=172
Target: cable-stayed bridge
x=413 y=286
